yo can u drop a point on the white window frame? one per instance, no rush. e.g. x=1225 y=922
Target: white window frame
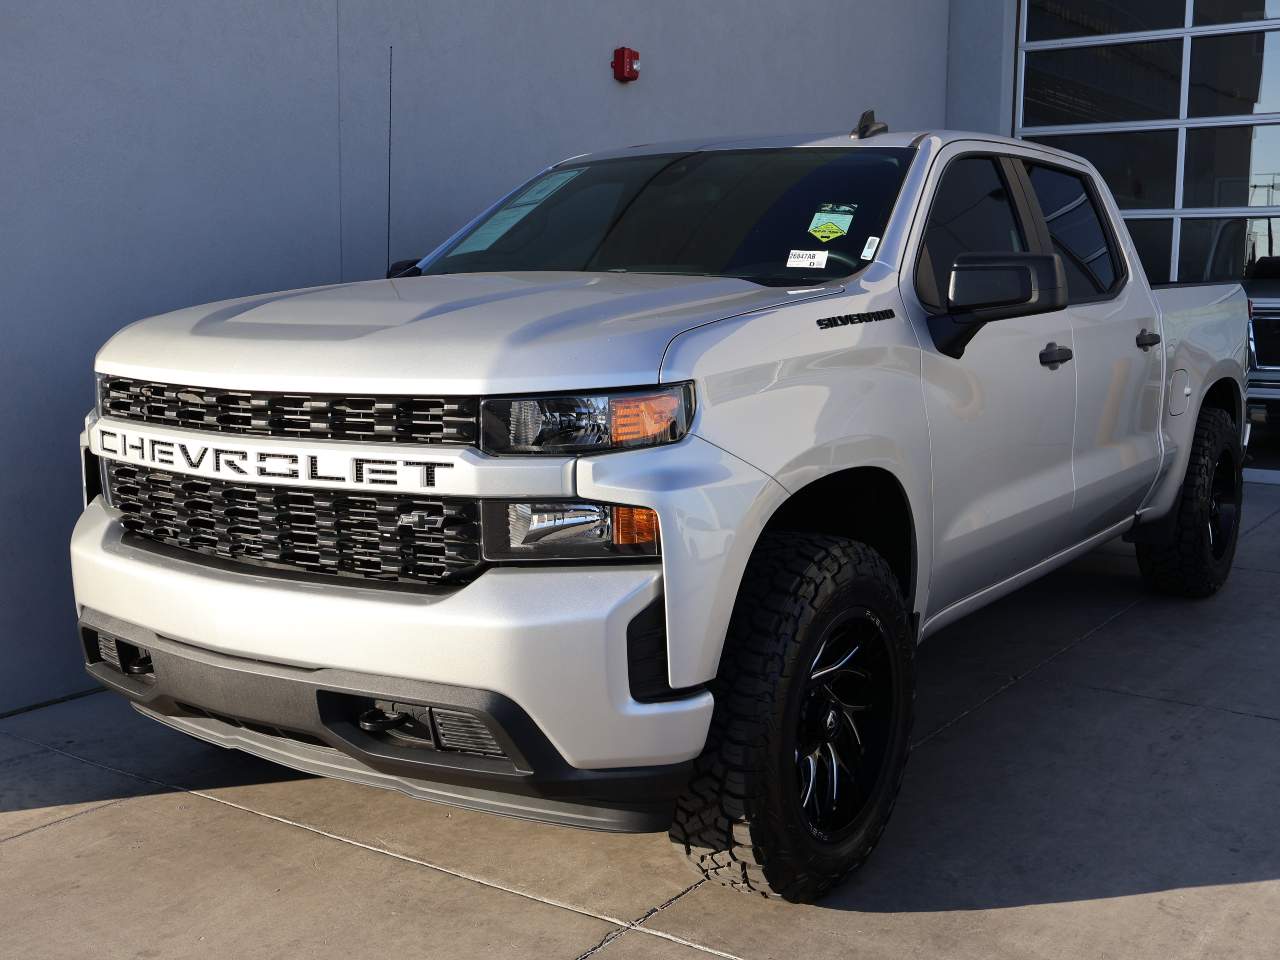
x=1181 y=124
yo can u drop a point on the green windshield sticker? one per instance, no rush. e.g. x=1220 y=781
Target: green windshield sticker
x=832 y=220
x=493 y=229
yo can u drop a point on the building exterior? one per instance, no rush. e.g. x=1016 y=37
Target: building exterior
x=1177 y=104
x=155 y=156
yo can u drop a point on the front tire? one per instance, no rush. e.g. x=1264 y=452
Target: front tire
x=1195 y=563
x=812 y=723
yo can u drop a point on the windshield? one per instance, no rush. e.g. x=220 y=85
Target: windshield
x=779 y=217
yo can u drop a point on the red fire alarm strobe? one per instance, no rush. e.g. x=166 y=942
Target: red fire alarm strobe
x=626 y=65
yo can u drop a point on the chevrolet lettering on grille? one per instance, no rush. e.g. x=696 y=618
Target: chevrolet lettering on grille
x=268 y=462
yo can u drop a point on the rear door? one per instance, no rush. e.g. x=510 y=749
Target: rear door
x=1000 y=420
x=1118 y=368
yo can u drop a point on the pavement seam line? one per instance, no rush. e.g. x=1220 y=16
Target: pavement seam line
x=1026 y=673
x=651 y=912
x=30 y=707
x=609 y=937
x=143 y=778
x=71 y=816
x=625 y=925
x=1172 y=700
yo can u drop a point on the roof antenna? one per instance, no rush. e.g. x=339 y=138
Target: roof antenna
x=868 y=126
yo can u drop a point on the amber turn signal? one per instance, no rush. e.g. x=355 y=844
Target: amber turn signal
x=636 y=419
x=633 y=526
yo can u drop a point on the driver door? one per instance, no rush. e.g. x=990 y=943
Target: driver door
x=1000 y=420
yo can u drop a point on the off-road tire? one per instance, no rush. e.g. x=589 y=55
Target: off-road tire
x=739 y=821
x=1188 y=566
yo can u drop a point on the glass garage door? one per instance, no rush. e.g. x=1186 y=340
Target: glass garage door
x=1177 y=103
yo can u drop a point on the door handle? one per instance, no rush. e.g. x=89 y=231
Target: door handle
x=1054 y=356
x=1146 y=341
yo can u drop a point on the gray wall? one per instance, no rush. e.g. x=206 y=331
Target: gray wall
x=981 y=68
x=154 y=155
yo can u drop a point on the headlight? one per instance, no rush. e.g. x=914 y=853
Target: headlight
x=568 y=531
x=587 y=423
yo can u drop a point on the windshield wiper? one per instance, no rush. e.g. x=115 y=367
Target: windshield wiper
x=661 y=272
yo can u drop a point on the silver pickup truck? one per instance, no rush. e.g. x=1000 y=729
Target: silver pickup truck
x=627 y=507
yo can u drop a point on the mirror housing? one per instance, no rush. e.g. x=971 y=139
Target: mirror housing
x=987 y=287
x=404 y=268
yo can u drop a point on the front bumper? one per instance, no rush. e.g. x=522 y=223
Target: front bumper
x=552 y=640
x=309 y=720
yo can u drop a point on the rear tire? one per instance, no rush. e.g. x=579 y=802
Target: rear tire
x=1196 y=562
x=812 y=722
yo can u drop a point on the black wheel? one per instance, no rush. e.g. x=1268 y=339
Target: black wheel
x=1207 y=525
x=812 y=724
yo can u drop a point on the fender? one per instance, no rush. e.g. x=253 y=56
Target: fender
x=799 y=401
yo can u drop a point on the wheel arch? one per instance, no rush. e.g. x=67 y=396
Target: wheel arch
x=1224 y=394
x=865 y=503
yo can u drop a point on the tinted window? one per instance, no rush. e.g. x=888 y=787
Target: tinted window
x=1138 y=167
x=971 y=213
x=1130 y=81
x=1228 y=249
x=1234 y=74
x=1233 y=167
x=1234 y=11
x=1076 y=230
x=771 y=216
x=1154 y=242
x=1053 y=19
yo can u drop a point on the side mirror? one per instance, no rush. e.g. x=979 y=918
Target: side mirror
x=404 y=268
x=986 y=287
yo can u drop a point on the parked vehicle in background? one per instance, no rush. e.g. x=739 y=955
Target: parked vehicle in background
x=1263 y=288
x=627 y=507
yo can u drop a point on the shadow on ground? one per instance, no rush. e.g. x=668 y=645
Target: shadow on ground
x=1143 y=757
x=127 y=756
x=1264 y=448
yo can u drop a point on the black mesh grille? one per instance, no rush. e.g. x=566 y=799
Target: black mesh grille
x=462 y=731
x=386 y=419
x=1266 y=336
x=386 y=537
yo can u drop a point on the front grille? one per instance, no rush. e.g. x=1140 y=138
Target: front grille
x=388 y=537
x=1266 y=336
x=317 y=416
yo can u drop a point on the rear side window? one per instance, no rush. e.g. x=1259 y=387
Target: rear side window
x=971 y=213
x=1077 y=232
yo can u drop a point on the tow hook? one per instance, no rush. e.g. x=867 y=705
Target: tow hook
x=380 y=721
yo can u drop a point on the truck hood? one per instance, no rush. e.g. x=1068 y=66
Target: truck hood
x=457 y=333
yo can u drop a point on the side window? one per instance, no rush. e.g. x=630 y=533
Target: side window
x=971 y=213
x=1077 y=232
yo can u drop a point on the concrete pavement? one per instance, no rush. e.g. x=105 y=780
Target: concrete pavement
x=1096 y=775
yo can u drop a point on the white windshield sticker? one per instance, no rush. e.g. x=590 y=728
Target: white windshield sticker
x=870 y=247
x=807 y=259
x=832 y=220
x=493 y=229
